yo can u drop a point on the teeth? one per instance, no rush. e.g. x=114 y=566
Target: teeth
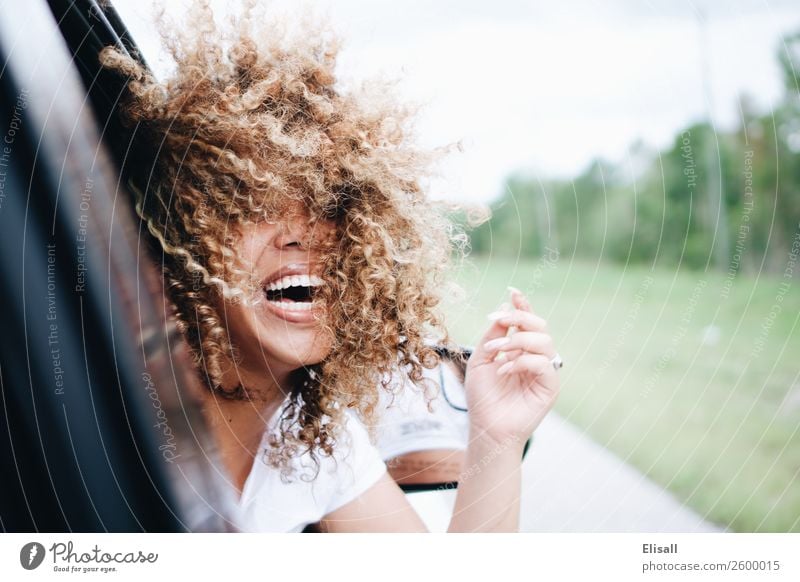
x=293 y=305
x=295 y=281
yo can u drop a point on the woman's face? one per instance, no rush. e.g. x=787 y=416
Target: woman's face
x=281 y=331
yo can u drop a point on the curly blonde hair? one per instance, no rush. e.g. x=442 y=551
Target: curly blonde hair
x=251 y=120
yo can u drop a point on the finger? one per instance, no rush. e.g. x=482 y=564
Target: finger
x=523 y=320
x=534 y=342
x=501 y=326
x=519 y=300
x=506 y=324
x=503 y=356
x=534 y=364
x=495 y=331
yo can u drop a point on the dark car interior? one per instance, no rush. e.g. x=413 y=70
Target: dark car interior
x=98 y=424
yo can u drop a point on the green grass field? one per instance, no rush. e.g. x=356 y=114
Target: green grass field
x=692 y=379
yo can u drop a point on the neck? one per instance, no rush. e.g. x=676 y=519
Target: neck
x=237 y=426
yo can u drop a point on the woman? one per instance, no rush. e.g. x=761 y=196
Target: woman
x=305 y=265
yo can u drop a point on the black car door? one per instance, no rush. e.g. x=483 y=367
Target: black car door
x=99 y=430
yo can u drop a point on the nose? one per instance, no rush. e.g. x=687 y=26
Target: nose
x=293 y=234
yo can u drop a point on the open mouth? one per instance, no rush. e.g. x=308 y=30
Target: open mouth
x=293 y=292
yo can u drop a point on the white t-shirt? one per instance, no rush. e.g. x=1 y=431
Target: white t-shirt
x=407 y=424
x=270 y=504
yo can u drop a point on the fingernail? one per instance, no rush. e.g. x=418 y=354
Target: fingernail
x=505 y=368
x=499 y=342
x=500 y=312
x=514 y=290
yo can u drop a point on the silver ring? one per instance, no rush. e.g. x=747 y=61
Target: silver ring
x=557 y=362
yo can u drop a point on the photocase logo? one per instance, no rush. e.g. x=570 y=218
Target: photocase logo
x=31 y=555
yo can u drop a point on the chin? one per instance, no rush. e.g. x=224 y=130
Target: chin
x=301 y=357
x=295 y=342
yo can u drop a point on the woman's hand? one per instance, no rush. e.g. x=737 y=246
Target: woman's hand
x=511 y=383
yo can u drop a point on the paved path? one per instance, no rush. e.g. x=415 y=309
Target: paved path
x=572 y=484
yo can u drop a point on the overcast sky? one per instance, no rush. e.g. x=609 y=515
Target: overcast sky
x=547 y=86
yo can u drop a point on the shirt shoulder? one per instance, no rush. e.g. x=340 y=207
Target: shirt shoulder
x=410 y=423
x=270 y=502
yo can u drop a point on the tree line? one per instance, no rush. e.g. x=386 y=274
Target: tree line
x=725 y=200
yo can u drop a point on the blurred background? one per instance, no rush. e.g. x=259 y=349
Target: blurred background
x=641 y=161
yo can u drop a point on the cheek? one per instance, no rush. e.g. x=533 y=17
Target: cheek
x=323 y=342
x=319 y=342
x=239 y=325
x=324 y=233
